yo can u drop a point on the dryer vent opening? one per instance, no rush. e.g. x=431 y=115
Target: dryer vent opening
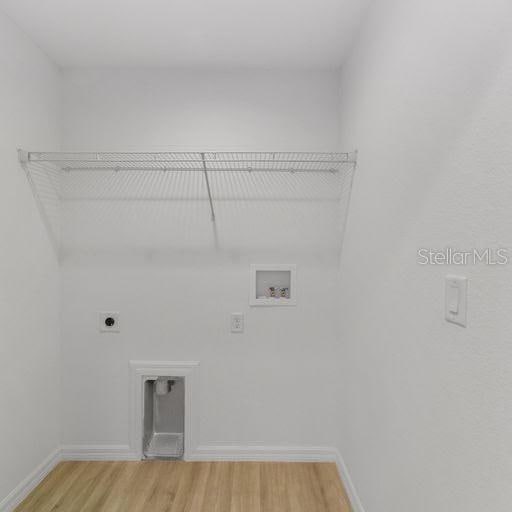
x=164 y=417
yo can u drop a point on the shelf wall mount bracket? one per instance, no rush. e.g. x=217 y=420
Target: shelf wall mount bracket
x=24 y=160
x=207 y=181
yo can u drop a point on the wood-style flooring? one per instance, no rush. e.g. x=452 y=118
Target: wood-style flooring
x=169 y=486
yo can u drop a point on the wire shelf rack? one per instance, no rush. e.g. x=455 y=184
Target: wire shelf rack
x=196 y=161
x=59 y=178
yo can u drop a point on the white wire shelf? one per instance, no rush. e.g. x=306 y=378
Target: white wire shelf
x=195 y=161
x=88 y=184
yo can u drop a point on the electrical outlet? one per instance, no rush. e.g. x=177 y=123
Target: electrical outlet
x=237 y=322
x=109 y=321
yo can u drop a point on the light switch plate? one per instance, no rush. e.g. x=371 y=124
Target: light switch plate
x=455 y=303
x=237 y=322
x=108 y=321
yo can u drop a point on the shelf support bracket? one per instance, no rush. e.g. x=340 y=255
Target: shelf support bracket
x=24 y=160
x=23 y=156
x=207 y=181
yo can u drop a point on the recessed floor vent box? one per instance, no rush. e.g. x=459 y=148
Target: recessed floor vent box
x=164 y=417
x=273 y=285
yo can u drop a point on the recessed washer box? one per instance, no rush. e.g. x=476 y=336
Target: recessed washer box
x=273 y=285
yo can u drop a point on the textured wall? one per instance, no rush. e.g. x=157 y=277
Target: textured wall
x=29 y=279
x=426 y=99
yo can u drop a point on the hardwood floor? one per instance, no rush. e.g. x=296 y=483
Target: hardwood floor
x=159 y=486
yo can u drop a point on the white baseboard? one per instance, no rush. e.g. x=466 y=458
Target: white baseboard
x=263 y=453
x=355 y=501
x=20 y=492
x=98 y=452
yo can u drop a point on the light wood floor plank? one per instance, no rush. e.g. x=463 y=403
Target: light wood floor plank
x=188 y=474
x=114 y=501
x=168 y=486
x=168 y=481
x=52 y=488
x=246 y=490
x=225 y=483
x=274 y=487
x=332 y=487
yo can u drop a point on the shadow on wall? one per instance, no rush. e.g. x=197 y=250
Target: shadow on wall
x=141 y=216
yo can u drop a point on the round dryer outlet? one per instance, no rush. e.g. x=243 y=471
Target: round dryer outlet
x=109 y=321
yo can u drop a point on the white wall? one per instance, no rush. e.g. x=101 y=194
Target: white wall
x=29 y=279
x=175 y=281
x=426 y=404
x=159 y=109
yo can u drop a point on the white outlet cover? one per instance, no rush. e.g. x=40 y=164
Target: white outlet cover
x=237 y=322
x=102 y=321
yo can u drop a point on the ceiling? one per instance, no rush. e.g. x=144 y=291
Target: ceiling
x=289 y=34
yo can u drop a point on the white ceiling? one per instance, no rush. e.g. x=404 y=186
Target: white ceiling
x=191 y=33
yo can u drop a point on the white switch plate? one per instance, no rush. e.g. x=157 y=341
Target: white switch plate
x=237 y=322
x=455 y=303
x=105 y=318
